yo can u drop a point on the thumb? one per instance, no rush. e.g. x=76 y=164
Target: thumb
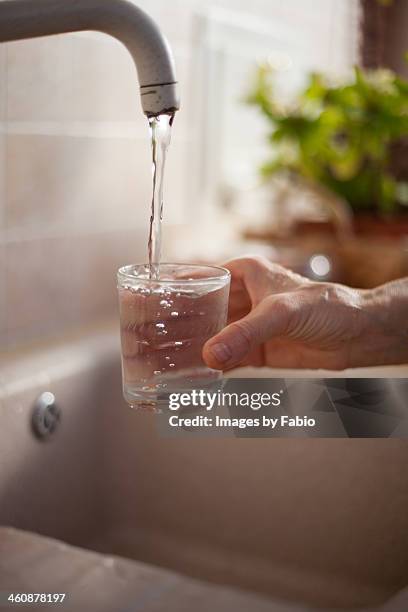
x=229 y=347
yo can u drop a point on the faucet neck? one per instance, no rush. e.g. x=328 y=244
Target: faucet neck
x=150 y=50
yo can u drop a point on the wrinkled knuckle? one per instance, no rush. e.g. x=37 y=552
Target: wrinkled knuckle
x=283 y=309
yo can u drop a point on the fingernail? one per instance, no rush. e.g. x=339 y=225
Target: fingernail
x=221 y=352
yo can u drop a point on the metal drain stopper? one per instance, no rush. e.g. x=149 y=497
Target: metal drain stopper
x=46 y=416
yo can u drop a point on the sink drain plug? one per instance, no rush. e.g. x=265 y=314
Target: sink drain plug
x=46 y=416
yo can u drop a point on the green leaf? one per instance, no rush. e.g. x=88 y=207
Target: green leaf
x=338 y=134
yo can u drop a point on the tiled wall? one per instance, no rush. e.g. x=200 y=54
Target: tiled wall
x=75 y=162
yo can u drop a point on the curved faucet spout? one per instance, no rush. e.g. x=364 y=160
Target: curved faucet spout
x=120 y=18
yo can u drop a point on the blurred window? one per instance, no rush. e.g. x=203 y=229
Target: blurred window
x=229 y=138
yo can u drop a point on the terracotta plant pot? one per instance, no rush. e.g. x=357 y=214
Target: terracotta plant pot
x=374 y=225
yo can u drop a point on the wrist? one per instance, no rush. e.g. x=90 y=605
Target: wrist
x=385 y=324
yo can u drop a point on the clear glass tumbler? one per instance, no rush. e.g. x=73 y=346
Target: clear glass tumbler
x=164 y=325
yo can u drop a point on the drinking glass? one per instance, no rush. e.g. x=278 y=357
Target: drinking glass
x=164 y=324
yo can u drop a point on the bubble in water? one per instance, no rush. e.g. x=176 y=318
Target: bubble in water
x=165 y=303
x=172 y=365
x=161 y=329
x=157 y=372
x=167 y=358
x=174 y=314
x=178 y=343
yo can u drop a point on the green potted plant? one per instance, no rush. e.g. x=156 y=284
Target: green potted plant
x=342 y=137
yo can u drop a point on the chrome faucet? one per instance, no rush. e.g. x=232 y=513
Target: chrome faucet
x=150 y=50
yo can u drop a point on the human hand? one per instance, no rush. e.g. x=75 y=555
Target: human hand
x=280 y=319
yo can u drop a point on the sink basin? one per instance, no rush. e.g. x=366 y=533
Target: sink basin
x=319 y=521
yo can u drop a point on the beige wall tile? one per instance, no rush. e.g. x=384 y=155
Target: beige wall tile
x=103 y=83
x=79 y=77
x=3 y=190
x=53 y=285
x=2 y=82
x=2 y=139
x=100 y=257
x=38 y=76
x=40 y=276
x=3 y=322
x=70 y=182
x=43 y=176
